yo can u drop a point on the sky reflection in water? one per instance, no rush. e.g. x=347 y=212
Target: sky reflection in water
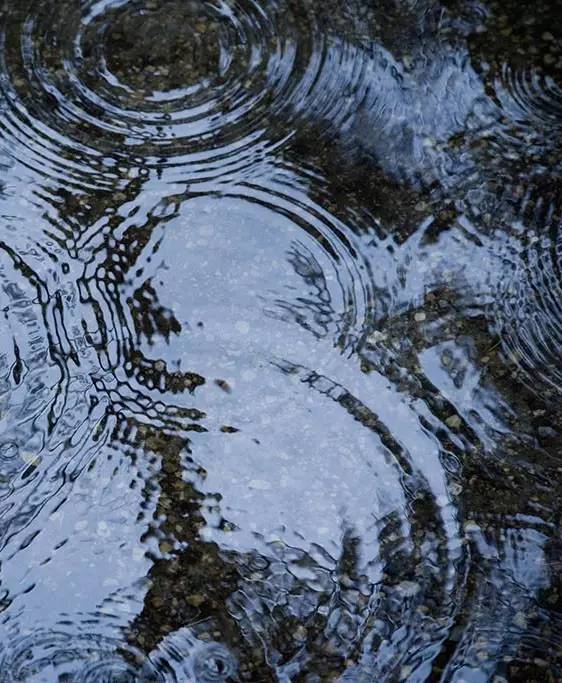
x=280 y=353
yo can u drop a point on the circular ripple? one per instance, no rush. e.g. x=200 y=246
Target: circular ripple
x=110 y=670
x=330 y=451
x=536 y=98
x=217 y=65
x=181 y=656
x=279 y=295
x=206 y=87
x=213 y=663
x=45 y=381
x=530 y=311
x=288 y=262
x=518 y=59
x=28 y=377
x=367 y=553
x=87 y=87
x=77 y=658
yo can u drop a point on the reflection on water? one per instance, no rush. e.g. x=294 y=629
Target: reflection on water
x=280 y=361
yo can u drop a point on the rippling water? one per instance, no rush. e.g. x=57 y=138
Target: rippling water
x=280 y=355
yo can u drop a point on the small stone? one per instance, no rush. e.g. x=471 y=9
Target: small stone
x=470 y=527
x=300 y=633
x=520 y=620
x=227 y=429
x=376 y=337
x=224 y=385
x=405 y=672
x=456 y=489
x=408 y=588
x=103 y=529
x=243 y=327
x=195 y=600
x=260 y=485
x=138 y=554
x=454 y=422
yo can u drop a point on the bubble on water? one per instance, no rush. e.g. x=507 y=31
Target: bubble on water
x=8 y=451
x=213 y=662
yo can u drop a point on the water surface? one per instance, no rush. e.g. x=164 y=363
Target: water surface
x=280 y=351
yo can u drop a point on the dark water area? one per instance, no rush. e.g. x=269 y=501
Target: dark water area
x=280 y=341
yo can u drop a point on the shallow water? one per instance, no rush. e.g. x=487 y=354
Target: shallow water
x=280 y=355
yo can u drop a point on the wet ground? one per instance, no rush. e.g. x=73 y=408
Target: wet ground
x=280 y=343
